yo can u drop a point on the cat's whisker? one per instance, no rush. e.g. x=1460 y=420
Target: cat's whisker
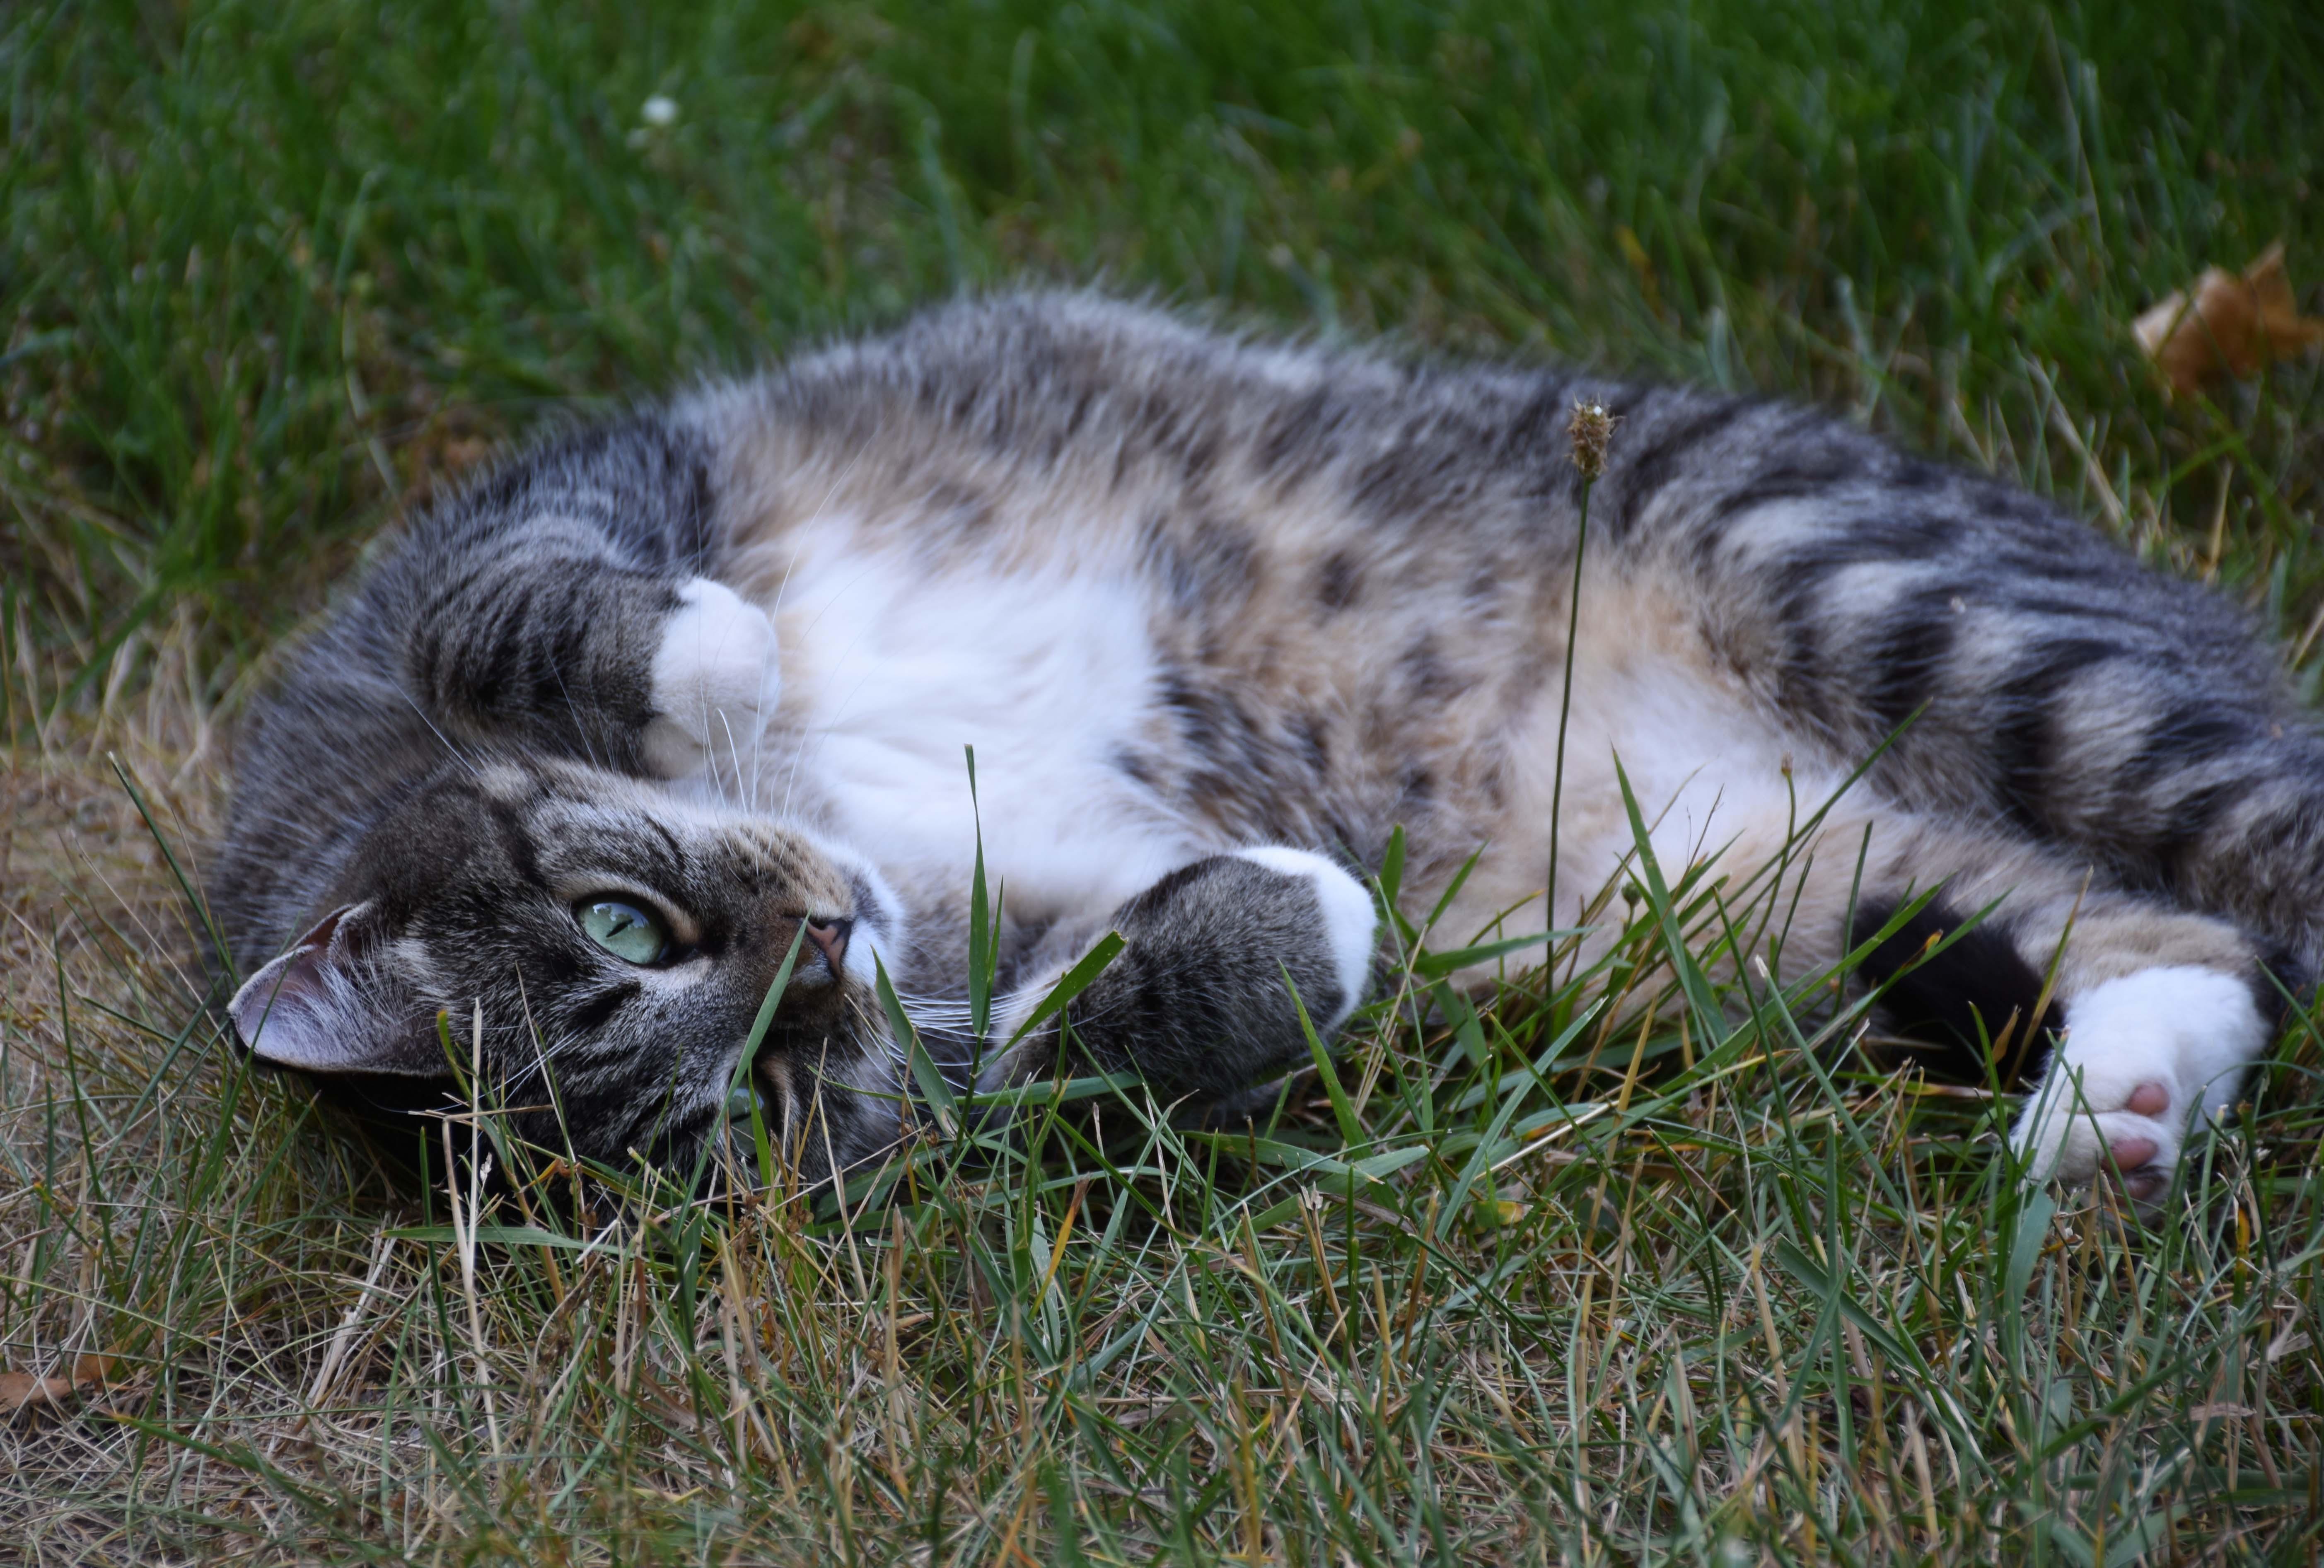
x=580 y=722
x=465 y=760
x=734 y=760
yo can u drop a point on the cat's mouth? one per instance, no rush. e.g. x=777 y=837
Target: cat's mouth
x=749 y=1102
x=809 y=1077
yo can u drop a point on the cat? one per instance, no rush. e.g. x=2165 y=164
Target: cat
x=596 y=742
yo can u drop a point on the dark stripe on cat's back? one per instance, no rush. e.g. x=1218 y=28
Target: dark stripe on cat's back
x=2023 y=735
x=2190 y=732
x=1815 y=474
x=1905 y=538
x=1708 y=524
x=1645 y=473
x=1802 y=676
x=1906 y=658
x=2188 y=820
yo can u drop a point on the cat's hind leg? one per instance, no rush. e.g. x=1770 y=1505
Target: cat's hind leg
x=2144 y=1059
x=2154 y=1012
x=2135 y=1017
x=1200 y=1001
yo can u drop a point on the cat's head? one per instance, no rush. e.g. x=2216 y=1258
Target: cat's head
x=620 y=944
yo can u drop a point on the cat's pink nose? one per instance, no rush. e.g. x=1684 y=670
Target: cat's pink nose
x=830 y=938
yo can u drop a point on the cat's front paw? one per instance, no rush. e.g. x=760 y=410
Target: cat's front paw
x=715 y=681
x=1351 y=922
x=2143 y=1056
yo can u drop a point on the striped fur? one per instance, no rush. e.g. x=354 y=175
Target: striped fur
x=1188 y=595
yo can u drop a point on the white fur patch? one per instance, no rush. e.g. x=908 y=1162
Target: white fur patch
x=715 y=681
x=893 y=671
x=1350 y=919
x=2192 y=1032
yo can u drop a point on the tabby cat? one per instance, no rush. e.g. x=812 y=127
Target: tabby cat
x=596 y=742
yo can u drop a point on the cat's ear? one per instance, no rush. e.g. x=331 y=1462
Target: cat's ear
x=329 y=1006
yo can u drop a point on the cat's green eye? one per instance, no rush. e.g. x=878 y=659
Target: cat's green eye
x=623 y=930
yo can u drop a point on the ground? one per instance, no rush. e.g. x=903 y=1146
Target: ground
x=1519 y=1287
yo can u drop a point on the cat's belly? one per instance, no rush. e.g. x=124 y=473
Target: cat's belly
x=891 y=674
x=1713 y=778
x=891 y=677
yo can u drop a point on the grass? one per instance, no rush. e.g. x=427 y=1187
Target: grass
x=1507 y=1285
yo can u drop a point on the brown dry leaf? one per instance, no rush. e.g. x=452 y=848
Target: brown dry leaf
x=21 y=1393
x=2233 y=324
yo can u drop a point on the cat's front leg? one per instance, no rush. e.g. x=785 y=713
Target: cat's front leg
x=1197 y=1002
x=714 y=683
x=2142 y=1057
x=581 y=656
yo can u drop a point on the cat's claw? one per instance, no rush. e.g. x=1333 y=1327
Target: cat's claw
x=715 y=681
x=2143 y=1056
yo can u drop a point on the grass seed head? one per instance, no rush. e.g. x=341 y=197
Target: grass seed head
x=1592 y=429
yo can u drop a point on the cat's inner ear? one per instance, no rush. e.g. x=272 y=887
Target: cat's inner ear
x=330 y=1005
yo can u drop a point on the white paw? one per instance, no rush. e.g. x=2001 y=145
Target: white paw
x=2142 y=1057
x=1350 y=920
x=715 y=679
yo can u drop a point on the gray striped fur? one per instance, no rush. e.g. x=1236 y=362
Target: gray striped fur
x=1349 y=576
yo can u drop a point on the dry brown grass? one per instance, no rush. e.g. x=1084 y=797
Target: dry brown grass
x=1756 y=1313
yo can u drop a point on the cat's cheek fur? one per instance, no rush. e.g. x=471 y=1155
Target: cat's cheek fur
x=1350 y=921
x=2189 y=1032
x=716 y=680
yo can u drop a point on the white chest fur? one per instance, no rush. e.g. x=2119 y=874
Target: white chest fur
x=890 y=672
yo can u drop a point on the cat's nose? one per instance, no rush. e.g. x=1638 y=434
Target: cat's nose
x=830 y=938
